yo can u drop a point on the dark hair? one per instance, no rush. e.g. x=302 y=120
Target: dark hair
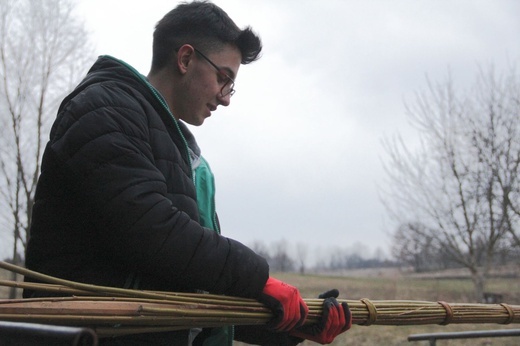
x=205 y=26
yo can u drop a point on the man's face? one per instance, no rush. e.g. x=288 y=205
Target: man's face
x=208 y=76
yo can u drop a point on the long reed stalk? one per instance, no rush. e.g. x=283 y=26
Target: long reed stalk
x=116 y=311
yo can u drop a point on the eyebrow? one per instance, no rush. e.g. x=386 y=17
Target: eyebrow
x=230 y=72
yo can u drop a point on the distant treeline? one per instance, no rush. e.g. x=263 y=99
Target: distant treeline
x=283 y=256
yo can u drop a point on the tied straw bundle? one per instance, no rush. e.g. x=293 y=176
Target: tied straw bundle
x=113 y=311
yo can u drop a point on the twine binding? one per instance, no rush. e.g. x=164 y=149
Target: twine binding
x=510 y=313
x=372 y=312
x=449 y=313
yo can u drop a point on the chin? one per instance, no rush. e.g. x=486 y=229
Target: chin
x=198 y=122
x=194 y=122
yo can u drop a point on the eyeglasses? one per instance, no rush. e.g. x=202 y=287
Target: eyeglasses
x=228 y=87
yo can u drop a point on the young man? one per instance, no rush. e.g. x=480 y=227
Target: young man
x=126 y=200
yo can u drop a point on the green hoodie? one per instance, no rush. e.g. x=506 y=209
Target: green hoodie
x=205 y=184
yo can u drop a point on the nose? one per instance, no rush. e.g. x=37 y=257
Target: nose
x=224 y=100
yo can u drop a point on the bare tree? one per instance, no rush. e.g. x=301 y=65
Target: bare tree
x=302 y=251
x=416 y=245
x=44 y=50
x=280 y=258
x=458 y=184
x=261 y=249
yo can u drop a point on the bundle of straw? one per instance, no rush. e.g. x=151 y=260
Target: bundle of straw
x=115 y=311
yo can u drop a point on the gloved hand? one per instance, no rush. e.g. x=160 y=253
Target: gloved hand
x=287 y=305
x=335 y=319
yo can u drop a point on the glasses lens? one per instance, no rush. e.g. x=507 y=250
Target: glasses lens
x=228 y=88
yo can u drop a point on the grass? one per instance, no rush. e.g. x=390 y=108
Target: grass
x=398 y=287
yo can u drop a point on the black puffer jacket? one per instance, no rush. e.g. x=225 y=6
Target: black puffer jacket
x=115 y=203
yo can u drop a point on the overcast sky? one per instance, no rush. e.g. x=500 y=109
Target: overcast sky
x=297 y=155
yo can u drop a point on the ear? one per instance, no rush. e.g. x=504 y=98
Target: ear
x=184 y=56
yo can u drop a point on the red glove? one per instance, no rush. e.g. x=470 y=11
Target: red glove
x=288 y=307
x=335 y=319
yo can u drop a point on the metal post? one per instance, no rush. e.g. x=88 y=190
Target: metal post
x=17 y=333
x=433 y=337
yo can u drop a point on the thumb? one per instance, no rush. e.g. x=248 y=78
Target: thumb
x=333 y=293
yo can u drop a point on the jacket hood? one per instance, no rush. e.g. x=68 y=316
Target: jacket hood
x=113 y=70
x=110 y=69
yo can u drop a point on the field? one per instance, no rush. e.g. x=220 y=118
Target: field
x=387 y=284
